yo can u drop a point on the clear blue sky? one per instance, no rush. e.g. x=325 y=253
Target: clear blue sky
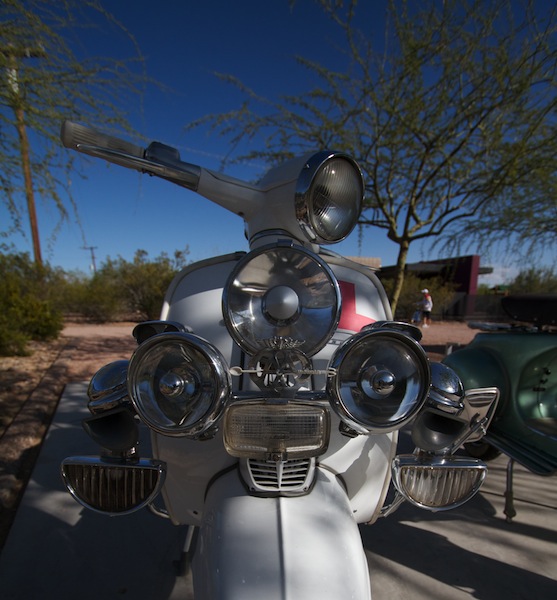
x=185 y=42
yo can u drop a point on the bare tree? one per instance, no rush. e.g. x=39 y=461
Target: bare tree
x=46 y=76
x=447 y=113
x=521 y=224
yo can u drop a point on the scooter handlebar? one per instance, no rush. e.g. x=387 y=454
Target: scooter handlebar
x=74 y=135
x=157 y=159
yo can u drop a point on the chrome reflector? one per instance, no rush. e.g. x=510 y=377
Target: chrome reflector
x=114 y=488
x=256 y=429
x=437 y=483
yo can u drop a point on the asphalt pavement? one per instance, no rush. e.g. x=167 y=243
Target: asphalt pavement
x=57 y=550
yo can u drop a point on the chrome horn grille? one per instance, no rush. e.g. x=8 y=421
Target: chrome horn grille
x=115 y=488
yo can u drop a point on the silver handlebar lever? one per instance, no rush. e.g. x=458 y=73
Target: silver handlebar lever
x=157 y=159
x=75 y=136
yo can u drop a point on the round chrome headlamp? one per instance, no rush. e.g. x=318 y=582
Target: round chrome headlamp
x=329 y=197
x=281 y=296
x=178 y=384
x=380 y=380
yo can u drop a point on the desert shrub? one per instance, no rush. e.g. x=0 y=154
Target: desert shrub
x=98 y=298
x=121 y=288
x=28 y=308
x=534 y=281
x=143 y=282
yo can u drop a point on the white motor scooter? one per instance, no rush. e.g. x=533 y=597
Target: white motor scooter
x=275 y=385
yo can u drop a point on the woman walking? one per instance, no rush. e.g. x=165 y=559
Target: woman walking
x=426 y=306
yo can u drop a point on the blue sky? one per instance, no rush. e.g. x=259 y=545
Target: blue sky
x=185 y=42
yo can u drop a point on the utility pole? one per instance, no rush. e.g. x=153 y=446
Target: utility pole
x=92 y=250
x=13 y=54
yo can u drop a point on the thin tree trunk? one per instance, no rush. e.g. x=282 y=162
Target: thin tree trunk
x=399 y=275
x=26 y=162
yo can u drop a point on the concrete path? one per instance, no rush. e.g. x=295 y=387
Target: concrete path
x=57 y=550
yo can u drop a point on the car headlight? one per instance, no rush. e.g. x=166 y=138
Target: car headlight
x=281 y=294
x=329 y=197
x=178 y=384
x=380 y=379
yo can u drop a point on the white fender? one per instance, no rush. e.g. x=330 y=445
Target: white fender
x=303 y=548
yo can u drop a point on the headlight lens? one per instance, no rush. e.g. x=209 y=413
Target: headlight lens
x=273 y=431
x=329 y=197
x=380 y=380
x=281 y=295
x=178 y=384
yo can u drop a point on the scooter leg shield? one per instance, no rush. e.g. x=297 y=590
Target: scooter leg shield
x=303 y=548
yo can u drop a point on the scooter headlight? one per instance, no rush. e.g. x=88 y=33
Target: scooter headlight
x=380 y=379
x=178 y=384
x=272 y=431
x=281 y=296
x=329 y=197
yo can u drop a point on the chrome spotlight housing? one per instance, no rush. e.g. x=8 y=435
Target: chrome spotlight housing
x=281 y=295
x=439 y=425
x=447 y=392
x=329 y=197
x=380 y=379
x=437 y=482
x=108 y=387
x=178 y=384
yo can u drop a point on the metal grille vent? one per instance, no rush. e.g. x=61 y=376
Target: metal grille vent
x=287 y=478
x=112 y=488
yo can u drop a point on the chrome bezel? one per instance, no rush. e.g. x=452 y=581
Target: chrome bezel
x=220 y=379
x=303 y=206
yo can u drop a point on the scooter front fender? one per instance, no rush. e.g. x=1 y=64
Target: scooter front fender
x=301 y=548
